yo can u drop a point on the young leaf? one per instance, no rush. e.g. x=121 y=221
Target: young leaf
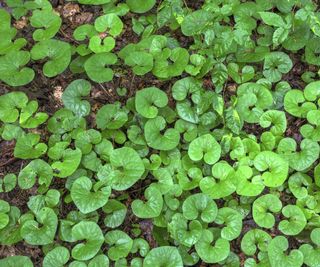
x=148 y=100
x=272 y=19
x=28 y=147
x=92 y=234
x=13 y=261
x=140 y=6
x=200 y=205
x=97 y=68
x=152 y=130
x=58 y=52
x=34 y=234
x=212 y=253
x=186 y=233
x=260 y=209
x=35 y=169
x=12 y=70
x=116 y=213
x=277 y=166
x=57 y=257
x=128 y=168
x=85 y=200
x=277 y=255
x=152 y=208
x=72 y=97
x=46 y=19
x=296 y=223
x=163 y=256
x=10 y=104
x=120 y=244
x=253 y=240
x=205 y=147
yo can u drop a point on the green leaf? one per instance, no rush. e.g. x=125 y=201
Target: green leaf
x=140 y=245
x=92 y=234
x=67 y=161
x=97 y=68
x=85 y=200
x=116 y=213
x=253 y=99
x=186 y=233
x=28 y=147
x=9 y=182
x=34 y=234
x=312 y=130
x=37 y=170
x=200 y=205
x=299 y=183
x=10 y=104
x=110 y=23
x=86 y=139
x=212 y=253
x=140 y=6
x=120 y=244
x=296 y=223
x=233 y=120
x=272 y=19
x=196 y=22
x=233 y=221
x=245 y=186
x=64 y=121
x=277 y=166
x=152 y=208
x=277 y=253
x=222 y=183
x=299 y=160
x=97 y=45
x=141 y=62
x=166 y=141
x=163 y=256
x=182 y=88
x=260 y=209
x=72 y=97
x=240 y=76
x=57 y=257
x=311 y=254
x=148 y=100
x=4 y=217
x=100 y=260
x=111 y=116
x=12 y=70
x=171 y=63
x=255 y=239
x=275 y=117
x=127 y=167
x=296 y=104
x=47 y=19
x=16 y=261
x=275 y=65
x=29 y=118
x=58 y=52
x=11 y=233
x=205 y=147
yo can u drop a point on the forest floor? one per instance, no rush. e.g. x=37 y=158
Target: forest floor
x=48 y=92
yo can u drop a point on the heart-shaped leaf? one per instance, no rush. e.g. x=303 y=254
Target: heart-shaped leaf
x=84 y=199
x=34 y=234
x=72 y=97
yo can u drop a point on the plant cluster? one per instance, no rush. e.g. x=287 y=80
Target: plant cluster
x=184 y=161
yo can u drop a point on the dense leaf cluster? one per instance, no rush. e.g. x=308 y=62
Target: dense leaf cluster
x=184 y=161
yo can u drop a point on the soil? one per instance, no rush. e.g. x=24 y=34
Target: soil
x=48 y=92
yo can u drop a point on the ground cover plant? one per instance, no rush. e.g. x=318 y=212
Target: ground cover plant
x=159 y=133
